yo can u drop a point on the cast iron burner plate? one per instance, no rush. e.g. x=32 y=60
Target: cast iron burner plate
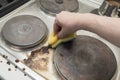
x=85 y=58
x=24 y=31
x=55 y=6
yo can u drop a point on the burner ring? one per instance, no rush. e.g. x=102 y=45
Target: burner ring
x=85 y=58
x=54 y=7
x=24 y=31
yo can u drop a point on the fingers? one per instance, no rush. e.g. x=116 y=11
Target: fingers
x=63 y=24
x=57 y=28
x=64 y=32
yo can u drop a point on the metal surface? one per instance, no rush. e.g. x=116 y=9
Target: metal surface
x=85 y=58
x=55 y=6
x=85 y=6
x=109 y=8
x=6 y=6
x=24 y=31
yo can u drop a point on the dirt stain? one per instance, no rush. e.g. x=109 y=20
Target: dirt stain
x=38 y=59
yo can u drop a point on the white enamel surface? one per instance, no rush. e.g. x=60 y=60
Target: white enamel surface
x=32 y=8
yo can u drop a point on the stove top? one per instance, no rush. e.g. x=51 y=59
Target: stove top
x=31 y=12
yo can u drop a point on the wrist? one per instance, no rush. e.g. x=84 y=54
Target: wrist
x=86 y=21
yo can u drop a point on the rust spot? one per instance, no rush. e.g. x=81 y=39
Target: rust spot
x=32 y=53
x=8 y=63
x=9 y=69
x=24 y=59
x=16 y=66
x=23 y=69
x=17 y=61
x=4 y=56
x=27 y=61
x=44 y=59
x=25 y=74
x=40 y=64
x=44 y=49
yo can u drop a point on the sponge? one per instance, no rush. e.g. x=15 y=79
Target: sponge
x=54 y=41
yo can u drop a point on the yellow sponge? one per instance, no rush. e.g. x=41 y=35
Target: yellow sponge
x=54 y=41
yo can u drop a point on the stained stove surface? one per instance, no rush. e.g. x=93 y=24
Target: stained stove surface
x=17 y=57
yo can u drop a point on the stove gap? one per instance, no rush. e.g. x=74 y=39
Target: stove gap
x=9 y=1
x=6 y=6
x=0 y=5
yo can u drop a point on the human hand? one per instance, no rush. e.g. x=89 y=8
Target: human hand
x=65 y=23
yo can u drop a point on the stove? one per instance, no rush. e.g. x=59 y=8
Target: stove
x=23 y=40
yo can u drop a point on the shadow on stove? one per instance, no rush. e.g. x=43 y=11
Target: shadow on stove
x=7 y=6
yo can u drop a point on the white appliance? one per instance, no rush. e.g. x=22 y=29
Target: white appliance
x=9 y=71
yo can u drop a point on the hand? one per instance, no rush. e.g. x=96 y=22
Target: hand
x=65 y=23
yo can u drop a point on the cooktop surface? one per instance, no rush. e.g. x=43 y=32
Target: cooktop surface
x=18 y=60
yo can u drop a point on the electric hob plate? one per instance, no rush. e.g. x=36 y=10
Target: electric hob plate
x=24 y=31
x=85 y=58
x=55 y=6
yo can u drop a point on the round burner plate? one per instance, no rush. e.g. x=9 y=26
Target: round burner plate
x=85 y=58
x=55 y=6
x=24 y=31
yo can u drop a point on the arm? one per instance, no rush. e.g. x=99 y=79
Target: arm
x=106 y=27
